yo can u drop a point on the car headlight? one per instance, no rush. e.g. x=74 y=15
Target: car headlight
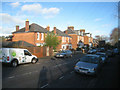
x=61 y=55
x=93 y=69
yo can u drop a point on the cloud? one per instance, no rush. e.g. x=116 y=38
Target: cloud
x=38 y=9
x=8 y=23
x=16 y=4
x=5 y=31
x=97 y=19
x=106 y=25
x=8 y=19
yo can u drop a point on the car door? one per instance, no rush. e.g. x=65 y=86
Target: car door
x=27 y=56
x=69 y=52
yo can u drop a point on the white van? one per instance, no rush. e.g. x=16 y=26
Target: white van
x=15 y=56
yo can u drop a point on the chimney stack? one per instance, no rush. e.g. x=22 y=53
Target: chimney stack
x=71 y=27
x=66 y=32
x=54 y=30
x=17 y=27
x=48 y=28
x=90 y=35
x=27 y=25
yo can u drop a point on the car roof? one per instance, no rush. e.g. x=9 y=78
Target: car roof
x=93 y=55
x=100 y=52
x=15 y=48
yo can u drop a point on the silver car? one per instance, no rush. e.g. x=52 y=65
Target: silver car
x=89 y=64
x=103 y=56
x=64 y=54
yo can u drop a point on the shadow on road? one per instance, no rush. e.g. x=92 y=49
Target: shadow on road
x=43 y=77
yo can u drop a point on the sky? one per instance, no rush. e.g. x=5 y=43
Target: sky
x=98 y=18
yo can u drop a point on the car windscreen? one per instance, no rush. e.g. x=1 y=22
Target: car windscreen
x=102 y=55
x=62 y=52
x=90 y=59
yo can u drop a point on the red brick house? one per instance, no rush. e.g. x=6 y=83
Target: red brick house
x=76 y=38
x=33 y=34
x=80 y=38
x=65 y=39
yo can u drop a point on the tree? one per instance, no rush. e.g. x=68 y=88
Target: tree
x=51 y=40
x=115 y=36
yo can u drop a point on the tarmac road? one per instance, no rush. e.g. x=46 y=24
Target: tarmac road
x=49 y=73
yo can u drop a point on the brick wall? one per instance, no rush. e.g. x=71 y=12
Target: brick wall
x=86 y=40
x=30 y=37
x=74 y=40
x=39 y=51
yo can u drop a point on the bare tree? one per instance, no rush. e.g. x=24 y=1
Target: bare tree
x=115 y=36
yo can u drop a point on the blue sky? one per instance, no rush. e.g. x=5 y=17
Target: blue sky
x=98 y=18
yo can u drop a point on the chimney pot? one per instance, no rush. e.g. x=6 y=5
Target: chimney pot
x=71 y=27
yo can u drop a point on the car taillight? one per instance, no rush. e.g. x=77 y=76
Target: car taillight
x=7 y=58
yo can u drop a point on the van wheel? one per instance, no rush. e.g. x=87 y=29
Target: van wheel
x=34 y=60
x=14 y=63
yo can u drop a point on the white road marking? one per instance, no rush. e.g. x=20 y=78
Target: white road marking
x=11 y=77
x=61 y=77
x=44 y=86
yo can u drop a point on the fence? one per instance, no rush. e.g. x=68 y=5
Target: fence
x=40 y=51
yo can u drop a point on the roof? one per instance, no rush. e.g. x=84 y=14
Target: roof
x=60 y=33
x=94 y=55
x=69 y=31
x=33 y=28
x=16 y=44
x=77 y=32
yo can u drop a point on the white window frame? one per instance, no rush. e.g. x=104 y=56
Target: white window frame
x=65 y=39
x=38 y=36
x=42 y=36
x=68 y=39
x=62 y=39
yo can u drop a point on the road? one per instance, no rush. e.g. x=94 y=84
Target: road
x=49 y=73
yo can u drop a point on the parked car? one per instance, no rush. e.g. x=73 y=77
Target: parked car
x=92 y=51
x=115 y=51
x=89 y=64
x=64 y=53
x=104 y=56
x=15 y=56
x=101 y=49
x=109 y=53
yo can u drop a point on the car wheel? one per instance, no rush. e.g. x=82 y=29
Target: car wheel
x=14 y=63
x=34 y=60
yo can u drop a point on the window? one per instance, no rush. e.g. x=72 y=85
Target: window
x=27 y=53
x=65 y=39
x=89 y=40
x=78 y=38
x=42 y=35
x=62 y=39
x=38 y=35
